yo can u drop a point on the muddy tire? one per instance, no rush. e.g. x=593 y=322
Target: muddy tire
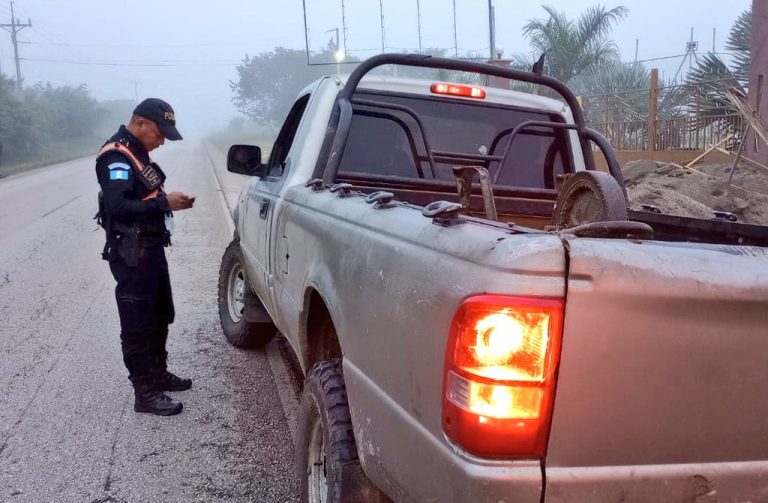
x=235 y=295
x=326 y=459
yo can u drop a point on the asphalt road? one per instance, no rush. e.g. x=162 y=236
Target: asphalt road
x=67 y=427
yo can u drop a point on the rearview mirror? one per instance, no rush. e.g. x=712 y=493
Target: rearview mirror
x=245 y=160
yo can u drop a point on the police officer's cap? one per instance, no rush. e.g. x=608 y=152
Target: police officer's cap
x=161 y=113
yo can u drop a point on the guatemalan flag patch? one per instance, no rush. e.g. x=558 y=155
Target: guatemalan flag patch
x=119 y=171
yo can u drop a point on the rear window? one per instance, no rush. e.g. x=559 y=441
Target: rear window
x=391 y=142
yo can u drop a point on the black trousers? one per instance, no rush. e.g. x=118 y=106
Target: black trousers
x=145 y=305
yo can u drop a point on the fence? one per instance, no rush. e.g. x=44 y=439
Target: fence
x=686 y=117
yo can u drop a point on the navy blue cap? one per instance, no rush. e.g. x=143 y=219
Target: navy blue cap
x=161 y=113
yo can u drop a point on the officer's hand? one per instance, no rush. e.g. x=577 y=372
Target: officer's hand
x=179 y=201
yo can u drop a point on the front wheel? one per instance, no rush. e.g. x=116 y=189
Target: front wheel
x=235 y=296
x=327 y=461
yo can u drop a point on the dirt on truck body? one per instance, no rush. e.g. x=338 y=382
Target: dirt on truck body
x=479 y=315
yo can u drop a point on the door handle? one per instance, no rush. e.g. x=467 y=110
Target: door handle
x=264 y=208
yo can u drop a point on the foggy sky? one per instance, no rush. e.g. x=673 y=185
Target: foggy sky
x=199 y=43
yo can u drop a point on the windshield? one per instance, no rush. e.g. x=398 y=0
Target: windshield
x=389 y=142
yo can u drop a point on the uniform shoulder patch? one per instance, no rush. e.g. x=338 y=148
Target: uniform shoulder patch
x=119 y=171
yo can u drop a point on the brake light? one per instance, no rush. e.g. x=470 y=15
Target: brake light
x=459 y=90
x=499 y=377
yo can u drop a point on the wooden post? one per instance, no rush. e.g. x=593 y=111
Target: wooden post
x=697 y=124
x=652 y=110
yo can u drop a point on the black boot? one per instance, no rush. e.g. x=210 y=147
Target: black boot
x=166 y=381
x=152 y=400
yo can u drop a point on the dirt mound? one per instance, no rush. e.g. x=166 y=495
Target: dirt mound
x=679 y=191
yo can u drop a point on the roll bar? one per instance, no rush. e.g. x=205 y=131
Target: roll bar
x=337 y=131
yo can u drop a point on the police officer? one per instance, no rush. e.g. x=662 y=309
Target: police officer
x=136 y=213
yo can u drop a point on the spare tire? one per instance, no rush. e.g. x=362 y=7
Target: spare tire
x=587 y=197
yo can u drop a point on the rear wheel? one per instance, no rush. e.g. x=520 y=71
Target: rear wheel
x=327 y=461
x=235 y=296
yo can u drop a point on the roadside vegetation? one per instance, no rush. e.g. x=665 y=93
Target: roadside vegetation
x=42 y=124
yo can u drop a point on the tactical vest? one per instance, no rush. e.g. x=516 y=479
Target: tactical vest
x=152 y=179
x=147 y=174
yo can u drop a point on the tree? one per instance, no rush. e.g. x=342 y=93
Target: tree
x=572 y=47
x=619 y=92
x=268 y=83
x=17 y=130
x=615 y=97
x=712 y=76
x=46 y=121
x=63 y=113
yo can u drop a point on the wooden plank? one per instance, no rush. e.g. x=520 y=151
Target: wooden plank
x=745 y=159
x=709 y=150
x=740 y=101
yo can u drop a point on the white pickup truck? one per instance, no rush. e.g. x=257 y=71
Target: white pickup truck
x=480 y=317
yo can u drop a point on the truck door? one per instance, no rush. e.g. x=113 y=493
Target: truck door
x=262 y=199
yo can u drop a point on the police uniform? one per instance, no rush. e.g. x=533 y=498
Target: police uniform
x=133 y=210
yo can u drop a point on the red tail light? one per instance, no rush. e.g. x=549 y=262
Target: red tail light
x=459 y=90
x=499 y=382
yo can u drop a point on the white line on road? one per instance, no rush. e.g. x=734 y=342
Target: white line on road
x=285 y=392
x=220 y=192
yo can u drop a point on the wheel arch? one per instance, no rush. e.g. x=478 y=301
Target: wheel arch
x=319 y=330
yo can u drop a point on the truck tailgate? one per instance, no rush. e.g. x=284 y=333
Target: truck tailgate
x=663 y=380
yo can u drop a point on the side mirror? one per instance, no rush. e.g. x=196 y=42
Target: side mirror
x=245 y=160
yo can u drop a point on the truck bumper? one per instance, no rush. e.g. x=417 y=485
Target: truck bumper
x=704 y=482
x=409 y=463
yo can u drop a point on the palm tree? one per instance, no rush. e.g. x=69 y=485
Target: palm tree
x=615 y=101
x=711 y=78
x=572 y=47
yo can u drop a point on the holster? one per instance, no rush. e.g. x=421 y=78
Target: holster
x=128 y=245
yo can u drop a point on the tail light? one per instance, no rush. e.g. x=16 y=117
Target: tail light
x=499 y=382
x=458 y=90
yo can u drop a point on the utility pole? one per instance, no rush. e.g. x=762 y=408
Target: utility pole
x=418 y=21
x=690 y=54
x=136 y=90
x=455 y=39
x=343 y=30
x=336 y=31
x=492 y=28
x=383 y=36
x=13 y=29
x=337 y=54
x=637 y=47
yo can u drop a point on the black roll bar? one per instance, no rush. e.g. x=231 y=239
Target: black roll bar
x=337 y=131
x=610 y=155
